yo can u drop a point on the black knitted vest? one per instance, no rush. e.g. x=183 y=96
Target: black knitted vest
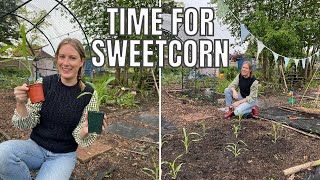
x=245 y=85
x=59 y=116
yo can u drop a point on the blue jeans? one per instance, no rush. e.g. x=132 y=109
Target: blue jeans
x=18 y=157
x=243 y=108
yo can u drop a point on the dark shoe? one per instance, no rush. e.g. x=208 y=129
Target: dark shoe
x=255 y=111
x=229 y=113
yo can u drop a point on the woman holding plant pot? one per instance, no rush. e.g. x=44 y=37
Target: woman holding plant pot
x=59 y=124
x=246 y=100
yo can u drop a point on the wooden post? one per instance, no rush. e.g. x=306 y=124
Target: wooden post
x=284 y=78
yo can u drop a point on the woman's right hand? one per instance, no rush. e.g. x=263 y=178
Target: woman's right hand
x=235 y=95
x=20 y=93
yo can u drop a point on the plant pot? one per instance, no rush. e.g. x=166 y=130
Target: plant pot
x=36 y=93
x=95 y=120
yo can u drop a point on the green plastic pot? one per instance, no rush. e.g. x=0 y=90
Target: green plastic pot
x=95 y=120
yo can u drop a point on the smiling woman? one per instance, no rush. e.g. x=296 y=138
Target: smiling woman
x=59 y=124
x=246 y=100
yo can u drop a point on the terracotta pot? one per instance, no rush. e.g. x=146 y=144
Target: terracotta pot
x=95 y=120
x=36 y=93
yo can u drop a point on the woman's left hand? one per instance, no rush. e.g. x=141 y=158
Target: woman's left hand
x=85 y=130
x=236 y=104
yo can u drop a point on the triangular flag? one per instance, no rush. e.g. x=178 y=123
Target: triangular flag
x=260 y=47
x=244 y=32
x=276 y=56
x=286 y=62
x=304 y=63
x=222 y=9
x=296 y=61
x=310 y=58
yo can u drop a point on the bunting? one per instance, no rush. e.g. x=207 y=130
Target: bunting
x=286 y=62
x=276 y=56
x=260 y=47
x=296 y=61
x=223 y=8
x=303 y=63
x=244 y=32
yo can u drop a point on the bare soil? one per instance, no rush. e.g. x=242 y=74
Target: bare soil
x=208 y=158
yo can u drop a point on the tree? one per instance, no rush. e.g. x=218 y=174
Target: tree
x=289 y=28
x=9 y=26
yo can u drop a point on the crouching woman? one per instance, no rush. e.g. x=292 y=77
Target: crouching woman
x=245 y=101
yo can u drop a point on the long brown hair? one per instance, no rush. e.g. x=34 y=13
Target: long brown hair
x=250 y=67
x=79 y=48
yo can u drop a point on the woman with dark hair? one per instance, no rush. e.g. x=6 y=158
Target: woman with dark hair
x=246 y=99
x=59 y=124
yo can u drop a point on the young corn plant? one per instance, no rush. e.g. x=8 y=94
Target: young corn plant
x=234 y=148
x=186 y=142
x=276 y=132
x=173 y=169
x=204 y=129
x=236 y=129
x=154 y=173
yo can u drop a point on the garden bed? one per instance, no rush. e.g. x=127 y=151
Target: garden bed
x=208 y=158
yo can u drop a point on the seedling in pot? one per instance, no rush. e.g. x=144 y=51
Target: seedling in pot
x=234 y=148
x=174 y=170
x=95 y=118
x=186 y=141
x=35 y=89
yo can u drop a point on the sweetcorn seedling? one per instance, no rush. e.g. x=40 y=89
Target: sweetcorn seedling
x=186 y=141
x=154 y=173
x=204 y=129
x=276 y=132
x=173 y=169
x=234 y=148
x=236 y=129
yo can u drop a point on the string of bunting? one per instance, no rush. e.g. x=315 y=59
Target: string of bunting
x=223 y=8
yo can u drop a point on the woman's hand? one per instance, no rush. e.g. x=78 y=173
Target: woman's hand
x=236 y=104
x=21 y=93
x=85 y=129
x=235 y=95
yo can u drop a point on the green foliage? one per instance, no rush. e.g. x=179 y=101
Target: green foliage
x=127 y=100
x=154 y=173
x=229 y=73
x=11 y=81
x=9 y=24
x=170 y=78
x=174 y=170
x=186 y=142
x=222 y=84
x=234 y=148
x=100 y=86
x=276 y=132
x=289 y=28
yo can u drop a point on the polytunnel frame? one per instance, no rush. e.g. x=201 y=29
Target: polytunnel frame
x=41 y=20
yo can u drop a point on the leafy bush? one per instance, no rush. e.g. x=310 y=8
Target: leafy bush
x=222 y=84
x=230 y=72
x=127 y=100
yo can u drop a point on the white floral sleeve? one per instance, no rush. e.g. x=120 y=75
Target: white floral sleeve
x=90 y=138
x=33 y=117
